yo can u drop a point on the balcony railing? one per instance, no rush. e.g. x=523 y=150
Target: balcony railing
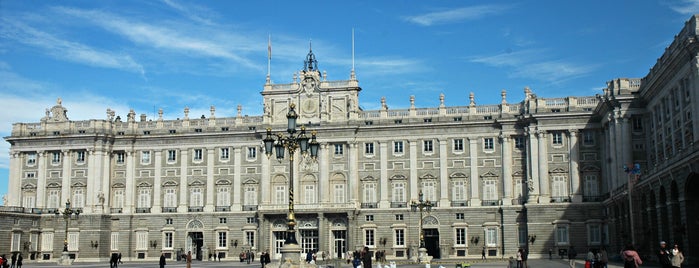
x=560 y=199
x=369 y=205
x=169 y=209
x=398 y=204
x=116 y=210
x=490 y=202
x=250 y=207
x=195 y=209
x=461 y=203
x=593 y=198
x=142 y=210
x=223 y=208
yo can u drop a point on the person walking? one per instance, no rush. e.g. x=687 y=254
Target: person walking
x=264 y=259
x=603 y=258
x=525 y=256
x=162 y=260
x=519 y=258
x=189 y=259
x=14 y=260
x=483 y=254
x=366 y=258
x=550 y=253
x=630 y=257
x=20 y=259
x=571 y=256
x=677 y=257
x=664 y=255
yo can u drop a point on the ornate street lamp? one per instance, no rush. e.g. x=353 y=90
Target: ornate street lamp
x=290 y=143
x=68 y=212
x=421 y=205
x=634 y=173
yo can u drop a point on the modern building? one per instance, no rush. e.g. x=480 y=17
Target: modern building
x=539 y=173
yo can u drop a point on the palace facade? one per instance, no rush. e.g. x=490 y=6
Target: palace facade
x=539 y=173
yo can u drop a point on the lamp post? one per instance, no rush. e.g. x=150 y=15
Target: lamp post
x=68 y=212
x=633 y=172
x=290 y=143
x=421 y=205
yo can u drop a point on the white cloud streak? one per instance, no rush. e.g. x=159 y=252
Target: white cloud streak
x=67 y=50
x=529 y=64
x=456 y=15
x=687 y=7
x=167 y=38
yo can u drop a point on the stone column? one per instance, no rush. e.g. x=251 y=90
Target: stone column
x=474 y=177
x=130 y=195
x=210 y=183
x=353 y=173
x=65 y=176
x=574 y=172
x=443 y=173
x=383 y=184
x=414 y=184
x=237 y=185
x=264 y=186
x=14 y=193
x=618 y=162
x=533 y=166
x=157 y=181
x=183 y=206
x=41 y=179
x=544 y=182
x=506 y=169
x=93 y=190
x=323 y=171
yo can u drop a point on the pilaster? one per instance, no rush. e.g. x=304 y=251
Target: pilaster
x=353 y=174
x=443 y=173
x=210 y=184
x=157 y=181
x=238 y=189
x=184 y=183
x=543 y=156
x=130 y=194
x=41 y=179
x=414 y=184
x=474 y=181
x=65 y=176
x=383 y=184
x=574 y=172
x=506 y=168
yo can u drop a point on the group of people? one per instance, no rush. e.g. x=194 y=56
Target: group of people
x=248 y=256
x=522 y=256
x=359 y=258
x=16 y=261
x=668 y=258
x=115 y=260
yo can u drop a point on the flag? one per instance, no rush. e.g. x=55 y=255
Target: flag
x=269 y=47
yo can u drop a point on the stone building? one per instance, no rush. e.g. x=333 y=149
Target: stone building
x=540 y=173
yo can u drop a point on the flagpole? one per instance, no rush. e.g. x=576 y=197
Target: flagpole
x=352 y=74
x=269 y=59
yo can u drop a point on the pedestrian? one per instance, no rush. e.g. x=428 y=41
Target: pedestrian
x=119 y=259
x=264 y=259
x=366 y=258
x=630 y=257
x=519 y=258
x=664 y=255
x=20 y=259
x=189 y=259
x=603 y=258
x=677 y=257
x=483 y=254
x=590 y=258
x=14 y=260
x=162 y=260
x=2 y=261
x=571 y=256
x=550 y=253
x=525 y=256
x=309 y=256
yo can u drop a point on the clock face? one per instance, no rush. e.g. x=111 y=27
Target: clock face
x=310 y=106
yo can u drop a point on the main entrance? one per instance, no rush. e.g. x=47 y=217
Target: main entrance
x=195 y=241
x=432 y=242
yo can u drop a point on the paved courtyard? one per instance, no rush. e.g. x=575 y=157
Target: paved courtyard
x=535 y=263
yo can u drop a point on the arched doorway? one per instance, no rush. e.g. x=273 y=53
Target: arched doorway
x=195 y=239
x=430 y=228
x=691 y=199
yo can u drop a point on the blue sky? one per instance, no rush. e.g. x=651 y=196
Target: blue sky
x=146 y=55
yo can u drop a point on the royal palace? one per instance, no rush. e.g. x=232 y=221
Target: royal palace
x=538 y=173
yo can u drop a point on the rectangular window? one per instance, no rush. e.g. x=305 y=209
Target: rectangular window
x=398 y=192
x=522 y=235
x=460 y=236
x=369 y=236
x=141 y=240
x=170 y=200
x=78 y=198
x=399 y=217
x=144 y=198
x=338 y=149
x=34 y=241
x=309 y=194
x=29 y=201
x=562 y=235
x=120 y=157
x=31 y=159
x=594 y=234
x=198 y=154
x=171 y=155
x=224 y=154
x=369 y=218
x=222 y=239
x=47 y=241
x=118 y=198
x=280 y=194
x=429 y=190
x=16 y=237
x=145 y=157
x=488 y=144
x=559 y=187
x=490 y=190
x=428 y=146
x=369 y=148
x=588 y=138
x=250 y=238
x=73 y=238
x=458 y=145
x=459 y=216
x=520 y=142
x=339 y=193
x=196 y=198
x=56 y=158
x=491 y=237
x=557 y=138
x=168 y=238
x=250 y=197
x=370 y=193
x=80 y=156
x=591 y=187
x=252 y=153
x=399 y=237
x=223 y=197
x=398 y=147
x=458 y=191
x=53 y=198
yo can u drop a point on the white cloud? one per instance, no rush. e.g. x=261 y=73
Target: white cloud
x=202 y=41
x=456 y=15
x=193 y=12
x=67 y=50
x=532 y=64
x=687 y=7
